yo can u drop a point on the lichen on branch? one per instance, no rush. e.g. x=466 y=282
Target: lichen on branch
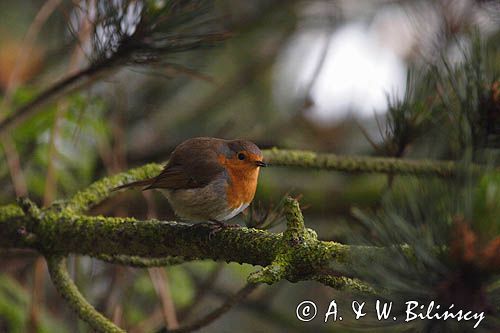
x=101 y=190
x=294 y=255
x=64 y=232
x=140 y=262
x=68 y=290
x=356 y=164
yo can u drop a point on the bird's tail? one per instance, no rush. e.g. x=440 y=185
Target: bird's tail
x=138 y=183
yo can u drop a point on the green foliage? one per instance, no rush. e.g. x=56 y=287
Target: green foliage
x=451 y=225
x=426 y=216
x=486 y=205
x=81 y=128
x=144 y=32
x=14 y=303
x=184 y=290
x=409 y=118
x=465 y=92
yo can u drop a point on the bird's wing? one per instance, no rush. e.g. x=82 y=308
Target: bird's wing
x=192 y=170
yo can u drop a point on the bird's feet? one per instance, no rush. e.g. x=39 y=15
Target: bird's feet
x=214 y=226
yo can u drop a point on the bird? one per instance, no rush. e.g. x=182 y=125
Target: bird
x=208 y=179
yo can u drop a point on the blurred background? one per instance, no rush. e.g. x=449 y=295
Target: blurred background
x=349 y=77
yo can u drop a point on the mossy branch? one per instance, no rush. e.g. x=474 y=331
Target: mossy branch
x=63 y=232
x=139 y=262
x=33 y=228
x=69 y=291
x=294 y=255
x=296 y=244
x=101 y=190
x=355 y=164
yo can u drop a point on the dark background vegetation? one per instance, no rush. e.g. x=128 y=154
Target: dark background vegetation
x=218 y=69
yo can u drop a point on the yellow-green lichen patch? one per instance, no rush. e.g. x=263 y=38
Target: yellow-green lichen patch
x=299 y=253
x=10 y=211
x=100 y=190
x=311 y=160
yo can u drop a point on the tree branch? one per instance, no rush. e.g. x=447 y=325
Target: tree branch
x=294 y=255
x=68 y=290
x=64 y=86
x=59 y=231
x=150 y=40
x=102 y=189
x=308 y=159
x=139 y=262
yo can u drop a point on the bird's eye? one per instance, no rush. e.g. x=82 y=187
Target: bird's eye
x=241 y=156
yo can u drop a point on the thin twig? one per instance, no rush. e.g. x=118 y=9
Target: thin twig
x=110 y=299
x=51 y=177
x=25 y=51
x=159 y=279
x=217 y=313
x=11 y=155
x=148 y=324
x=261 y=307
x=14 y=165
x=320 y=64
x=201 y=291
x=69 y=84
x=36 y=295
x=155 y=318
x=160 y=282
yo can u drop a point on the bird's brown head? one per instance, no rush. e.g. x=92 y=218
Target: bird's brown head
x=241 y=156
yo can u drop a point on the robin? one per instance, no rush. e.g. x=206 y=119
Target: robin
x=208 y=179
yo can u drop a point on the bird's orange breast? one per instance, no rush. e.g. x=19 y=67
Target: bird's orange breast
x=242 y=185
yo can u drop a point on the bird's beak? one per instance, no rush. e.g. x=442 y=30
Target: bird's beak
x=260 y=163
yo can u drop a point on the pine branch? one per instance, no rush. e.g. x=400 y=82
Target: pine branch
x=65 y=86
x=159 y=32
x=354 y=164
